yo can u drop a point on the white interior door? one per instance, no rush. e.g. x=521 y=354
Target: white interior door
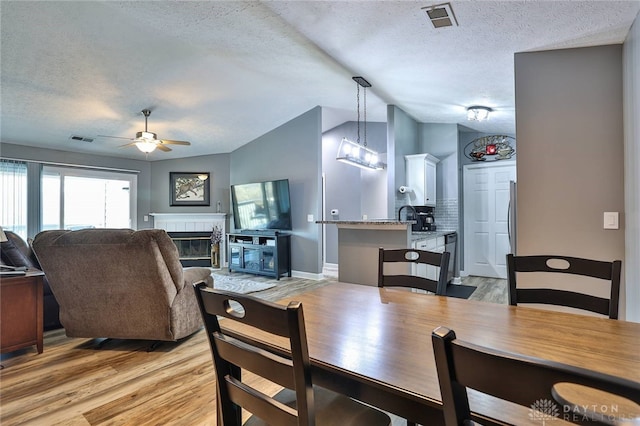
x=486 y=209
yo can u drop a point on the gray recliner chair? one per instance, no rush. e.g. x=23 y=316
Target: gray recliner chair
x=120 y=283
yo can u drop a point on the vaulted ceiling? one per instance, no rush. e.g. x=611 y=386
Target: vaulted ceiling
x=220 y=74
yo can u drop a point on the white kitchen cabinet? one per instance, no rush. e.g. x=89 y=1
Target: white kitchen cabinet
x=420 y=176
x=432 y=243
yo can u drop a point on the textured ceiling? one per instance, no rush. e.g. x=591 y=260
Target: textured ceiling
x=220 y=74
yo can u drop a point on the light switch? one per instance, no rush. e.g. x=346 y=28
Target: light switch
x=611 y=220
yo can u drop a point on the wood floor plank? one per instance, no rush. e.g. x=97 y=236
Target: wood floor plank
x=74 y=384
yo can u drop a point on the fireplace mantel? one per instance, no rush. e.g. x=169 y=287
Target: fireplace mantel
x=188 y=222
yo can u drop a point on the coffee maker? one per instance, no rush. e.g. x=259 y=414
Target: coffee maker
x=425 y=218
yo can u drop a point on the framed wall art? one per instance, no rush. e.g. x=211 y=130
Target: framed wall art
x=189 y=189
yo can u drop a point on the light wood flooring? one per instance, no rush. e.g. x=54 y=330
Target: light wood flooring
x=73 y=383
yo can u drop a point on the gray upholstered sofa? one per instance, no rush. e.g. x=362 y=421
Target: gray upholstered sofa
x=120 y=283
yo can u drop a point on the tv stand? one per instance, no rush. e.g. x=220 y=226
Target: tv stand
x=260 y=252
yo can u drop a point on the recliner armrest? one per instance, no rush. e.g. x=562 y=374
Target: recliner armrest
x=193 y=275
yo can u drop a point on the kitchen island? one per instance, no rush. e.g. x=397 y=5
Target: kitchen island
x=358 y=244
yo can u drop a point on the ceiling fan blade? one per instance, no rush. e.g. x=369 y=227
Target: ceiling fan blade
x=114 y=137
x=128 y=144
x=163 y=148
x=172 y=142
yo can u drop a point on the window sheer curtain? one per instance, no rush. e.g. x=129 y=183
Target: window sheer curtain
x=13 y=203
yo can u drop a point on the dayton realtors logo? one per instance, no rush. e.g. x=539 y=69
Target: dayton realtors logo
x=544 y=410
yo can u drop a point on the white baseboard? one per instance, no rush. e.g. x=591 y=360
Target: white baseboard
x=330 y=270
x=306 y=275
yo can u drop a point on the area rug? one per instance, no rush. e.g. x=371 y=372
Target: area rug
x=238 y=285
x=460 y=291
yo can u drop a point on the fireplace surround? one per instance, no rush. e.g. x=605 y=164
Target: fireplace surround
x=191 y=233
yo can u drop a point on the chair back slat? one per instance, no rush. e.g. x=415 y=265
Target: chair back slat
x=414 y=257
x=260 y=404
x=523 y=380
x=259 y=361
x=606 y=271
x=563 y=298
x=267 y=316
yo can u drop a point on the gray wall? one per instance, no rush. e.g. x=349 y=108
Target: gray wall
x=631 y=96
x=216 y=165
x=349 y=189
x=291 y=151
x=570 y=152
x=441 y=141
x=402 y=139
x=28 y=153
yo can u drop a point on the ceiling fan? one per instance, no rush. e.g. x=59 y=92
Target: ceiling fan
x=147 y=141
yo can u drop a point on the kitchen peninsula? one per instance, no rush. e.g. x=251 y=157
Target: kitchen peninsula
x=358 y=244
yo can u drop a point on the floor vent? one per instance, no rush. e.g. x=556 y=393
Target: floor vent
x=441 y=15
x=81 y=138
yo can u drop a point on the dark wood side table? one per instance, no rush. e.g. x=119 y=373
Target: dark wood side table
x=21 y=312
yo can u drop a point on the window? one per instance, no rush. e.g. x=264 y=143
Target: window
x=13 y=186
x=75 y=198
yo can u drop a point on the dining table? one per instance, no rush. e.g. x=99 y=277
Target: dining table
x=374 y=344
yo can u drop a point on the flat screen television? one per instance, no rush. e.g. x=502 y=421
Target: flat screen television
x=261 y=205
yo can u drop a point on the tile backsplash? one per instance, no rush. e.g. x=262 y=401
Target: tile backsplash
x=446 y=214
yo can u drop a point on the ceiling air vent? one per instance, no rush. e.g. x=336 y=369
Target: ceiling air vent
x=81 y=138
x=441 y=15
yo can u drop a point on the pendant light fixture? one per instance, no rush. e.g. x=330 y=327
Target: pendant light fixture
x=354 y=153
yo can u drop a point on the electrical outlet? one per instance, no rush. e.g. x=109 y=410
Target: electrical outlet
x=309 y=218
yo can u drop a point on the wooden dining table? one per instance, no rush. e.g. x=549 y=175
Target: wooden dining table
x=374 y=344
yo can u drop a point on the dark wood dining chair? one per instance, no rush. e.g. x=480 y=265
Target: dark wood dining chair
x=606 y=271
x=527 y=381
x=299 y=403
x=414 y=257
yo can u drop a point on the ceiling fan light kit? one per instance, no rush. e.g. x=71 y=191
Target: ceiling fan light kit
x=146 y=146
x=147 y=141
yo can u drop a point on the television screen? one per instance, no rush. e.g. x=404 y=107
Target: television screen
x=261 y=205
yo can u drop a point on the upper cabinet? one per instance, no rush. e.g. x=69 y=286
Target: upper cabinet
x=421 y=179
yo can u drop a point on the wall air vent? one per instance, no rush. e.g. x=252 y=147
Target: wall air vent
x=441 y=15
x=80 y=138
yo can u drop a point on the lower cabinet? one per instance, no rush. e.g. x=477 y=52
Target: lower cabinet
x=260 y=253
x=435 y=244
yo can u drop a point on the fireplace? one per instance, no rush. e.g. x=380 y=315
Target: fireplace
x=191 y=233
x=194 y=248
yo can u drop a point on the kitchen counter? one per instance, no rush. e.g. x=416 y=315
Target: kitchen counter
x=419 y=235
x=380 y=224
x=358 y=244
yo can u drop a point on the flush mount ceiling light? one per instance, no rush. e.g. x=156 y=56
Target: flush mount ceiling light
x=478 y=113
x=353 y=153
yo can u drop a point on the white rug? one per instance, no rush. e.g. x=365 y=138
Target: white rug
x=238 y=285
